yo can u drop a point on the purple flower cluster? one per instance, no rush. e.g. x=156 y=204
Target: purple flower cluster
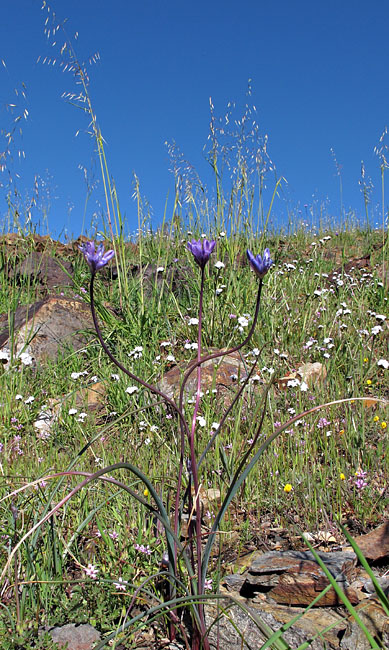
x=260 y=265
x=360 y=482
x=201 y=250
x=143 y=549
x=96 y=259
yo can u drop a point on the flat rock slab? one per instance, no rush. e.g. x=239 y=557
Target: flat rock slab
x=295 y=578
x=77 y=637
x=237 y=629
x=46 y=326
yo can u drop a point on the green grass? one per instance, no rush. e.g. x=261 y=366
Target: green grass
x=312 y=456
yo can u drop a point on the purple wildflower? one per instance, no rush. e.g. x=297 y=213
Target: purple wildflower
x=260 y=265
x=96 y=258
x=201 y=250
x=143 y=549
x=360 y=482
x=91 y=571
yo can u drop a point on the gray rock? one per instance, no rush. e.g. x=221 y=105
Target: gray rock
x=78 y=637
x=46 y=326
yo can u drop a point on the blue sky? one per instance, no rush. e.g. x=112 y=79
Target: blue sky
x=319 y=74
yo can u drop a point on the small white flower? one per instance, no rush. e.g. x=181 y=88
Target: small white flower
x=202 y=421
x=292 y=383
x=29 y=400
x=171 y=358
x=222 y=234
x=191 y=346
x=376 y=329
x=154 y=428
x=165 y=344
x=160 y=269
x=4 y=356
x=120 y=585
x=147 y=441
x=115 y=377
x=291 y=411
x=26 y=359
x=243 y=322
x=219 y=265
x=72 y=411
x=132 y=389
x=380 y=317
x=303 y=387
x=383 y=363
x=18 y=396
x=77 y=375
x=215 y=426
x=193 y=321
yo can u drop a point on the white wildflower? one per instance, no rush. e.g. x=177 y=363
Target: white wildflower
x=132 y=389
x=383 y=363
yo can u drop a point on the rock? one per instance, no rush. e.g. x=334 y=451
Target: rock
x=375 y=545
x=221 y=374
x=312 y=373
x=46 y=326
x=78 y=637
x=346 y=269
x=376 y=621
x=173 y=278
x=251 y=636
x=49 y=271
x=93 y=397
x=295 y=578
